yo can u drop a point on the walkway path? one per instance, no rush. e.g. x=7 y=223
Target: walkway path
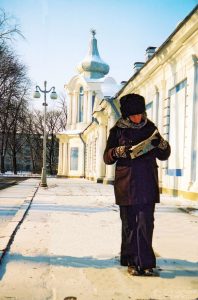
x=14 y=202
x=69 y=243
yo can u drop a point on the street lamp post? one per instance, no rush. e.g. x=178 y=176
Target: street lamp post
x=53 y=95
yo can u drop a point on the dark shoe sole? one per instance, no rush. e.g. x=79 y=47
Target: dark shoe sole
x=151 y=273
x=133 y=271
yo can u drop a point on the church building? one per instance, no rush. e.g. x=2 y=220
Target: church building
x=168 y=80
x=81 y=145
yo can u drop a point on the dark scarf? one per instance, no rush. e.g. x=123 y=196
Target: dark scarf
x=127 y=123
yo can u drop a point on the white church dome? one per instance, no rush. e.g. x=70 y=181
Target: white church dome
x=92 y=65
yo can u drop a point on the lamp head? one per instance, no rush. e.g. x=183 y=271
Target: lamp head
x=37 y=93
x=53 y=94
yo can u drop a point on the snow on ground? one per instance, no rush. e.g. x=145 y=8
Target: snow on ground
x=69 y=245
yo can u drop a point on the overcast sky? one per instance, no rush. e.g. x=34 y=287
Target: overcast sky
x=57 y=33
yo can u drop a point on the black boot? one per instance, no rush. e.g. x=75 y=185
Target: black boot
x=124 y=260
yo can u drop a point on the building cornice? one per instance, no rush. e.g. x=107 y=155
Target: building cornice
x=159 y=57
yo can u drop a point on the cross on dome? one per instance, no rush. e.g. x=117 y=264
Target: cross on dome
x=93 y=31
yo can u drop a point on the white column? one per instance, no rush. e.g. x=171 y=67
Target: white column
x=110 y=169
x=193 y=94
x=87 y=158
x=60 y=159
x=100 y=165
x=91 y=158
x=162 y=120
x=164 y=95
x=74 y=109
x=156 y=107
x=65 y=158
x=89 y=107
x=85 y=107
x=69 y=109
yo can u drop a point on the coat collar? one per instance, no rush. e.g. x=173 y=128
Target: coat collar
x=126 y=123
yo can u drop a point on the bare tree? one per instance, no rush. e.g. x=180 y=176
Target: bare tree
x=17 y=138
x=55 y=121
x=62 y=105
x=19 y=126
x=8 y=30
x=13 y=87
x=34 y=131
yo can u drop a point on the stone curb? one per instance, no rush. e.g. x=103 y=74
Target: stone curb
x=9 y=232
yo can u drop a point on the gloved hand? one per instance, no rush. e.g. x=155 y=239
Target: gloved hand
x=159 y=142
x=122 y=152
x=156 y=141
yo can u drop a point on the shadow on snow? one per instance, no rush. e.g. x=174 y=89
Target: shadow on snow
x=169 y=268
x=71 y=208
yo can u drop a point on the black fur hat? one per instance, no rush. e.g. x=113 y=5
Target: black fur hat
x=132 y=104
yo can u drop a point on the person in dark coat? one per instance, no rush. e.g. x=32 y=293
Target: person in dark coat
x=136 y=183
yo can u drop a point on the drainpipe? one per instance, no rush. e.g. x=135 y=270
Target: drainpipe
x=80 y=135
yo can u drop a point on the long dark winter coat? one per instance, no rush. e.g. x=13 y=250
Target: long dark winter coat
x=136 y=180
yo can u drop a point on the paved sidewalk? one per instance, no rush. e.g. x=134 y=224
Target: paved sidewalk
x=14 y=203
x=69 y=243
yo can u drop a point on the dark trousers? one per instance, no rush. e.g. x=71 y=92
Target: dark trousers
x=137 y=233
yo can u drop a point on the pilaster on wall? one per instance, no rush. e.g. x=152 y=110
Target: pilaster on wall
x=165 y=110
x=89 y=107
x=100 y=165
x=112 y=118
x=60 y=158
x=156 y=107
x=74 y=109
x=110 y=169
x=193 y=91
x=101 y=143
x=163 y=122
x=65 y=158
x=85 y=108
x=69 y=115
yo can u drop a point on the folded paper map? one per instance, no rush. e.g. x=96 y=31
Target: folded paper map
x=144 y=146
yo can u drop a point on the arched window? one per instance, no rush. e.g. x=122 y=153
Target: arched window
x=93 y=99
x=93 y=102
x=177 y=127
x=74 y=159
x=80 y=104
